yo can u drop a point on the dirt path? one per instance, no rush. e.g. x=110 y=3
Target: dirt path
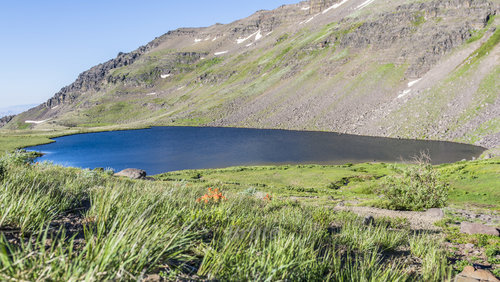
x=417 y=220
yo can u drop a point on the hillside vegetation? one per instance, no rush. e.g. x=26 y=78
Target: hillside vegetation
x=415 y=69
x=70 y=224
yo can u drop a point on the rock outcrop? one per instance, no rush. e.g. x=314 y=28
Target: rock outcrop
x=132 y=173
x=4 y=120
x=91 y=80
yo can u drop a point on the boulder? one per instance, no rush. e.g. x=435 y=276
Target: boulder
x=132 y=173
x=470 y=274
x=476 y=228
x=435 y=213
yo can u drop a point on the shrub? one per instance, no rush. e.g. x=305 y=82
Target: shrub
x=417 y=188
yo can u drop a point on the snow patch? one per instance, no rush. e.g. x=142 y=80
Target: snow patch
x=55 y=107
x=202 y=58
x=182 y=87
x=241 y=40
x=196 y=40
x=165 y=75
x=269 y=33
x=366 y=3
x=220 y=53
x=208 y=38
x=215 y=38
x=306 y=21
x=258 y=35
x=335 y=6
x=305 y=8
x=151 y=94
x=404 y=93
x=36 y=121
x=249 y=44
x=411 y=83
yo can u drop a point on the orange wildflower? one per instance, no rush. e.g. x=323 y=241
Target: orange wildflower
x=213 y=195
x=268 y=197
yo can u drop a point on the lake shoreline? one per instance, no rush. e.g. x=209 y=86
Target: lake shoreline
x=329 y=148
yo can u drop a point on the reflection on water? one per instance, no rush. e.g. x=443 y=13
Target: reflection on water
x=162 y=149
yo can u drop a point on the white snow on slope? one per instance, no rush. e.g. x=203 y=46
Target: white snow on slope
x=404 y=93
x=366 y=3
x=249 y=44
x=36 y=121
x=258 y=35
x=196 y=40
x=165 y=75
x=151 y=94
x=241 y=40
x=410 y=84
x=305 y=8
x=335 y=6
x=220 y=53
x=306 y=21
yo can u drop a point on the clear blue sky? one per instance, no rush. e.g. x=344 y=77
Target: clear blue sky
x=44 y=45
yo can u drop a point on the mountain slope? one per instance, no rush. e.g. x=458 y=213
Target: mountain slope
x=416 y=69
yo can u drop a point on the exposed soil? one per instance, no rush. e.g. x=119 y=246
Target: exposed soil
x=417 y=220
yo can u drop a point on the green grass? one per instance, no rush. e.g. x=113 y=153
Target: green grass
x=471 y=184
x=418 y=19
x=128 y=229
x=482 y=51
x=10 y=141
x=478 y=34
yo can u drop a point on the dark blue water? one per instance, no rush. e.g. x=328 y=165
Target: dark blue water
x=162 y=149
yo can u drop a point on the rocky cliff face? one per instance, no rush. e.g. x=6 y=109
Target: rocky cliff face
x=416 y=69
x=4 y=120
x=91 y=80
x=317 y=6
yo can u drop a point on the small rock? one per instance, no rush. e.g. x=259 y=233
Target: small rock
x=476 y=228
x=470 y=274
x=152 y=278
x=435 y=212
x=132 y=173
x=368 y=220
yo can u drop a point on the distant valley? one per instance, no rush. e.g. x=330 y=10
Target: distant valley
x=14 y=110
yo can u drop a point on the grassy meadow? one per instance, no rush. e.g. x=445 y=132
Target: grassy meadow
x=256 y=223
x=473 y=184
